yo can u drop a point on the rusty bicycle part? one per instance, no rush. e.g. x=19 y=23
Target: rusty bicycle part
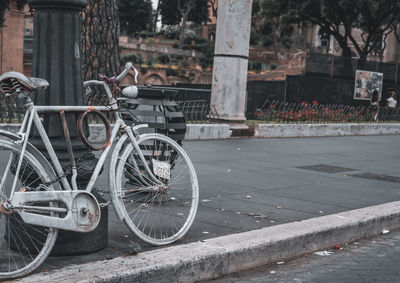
x=81 y=134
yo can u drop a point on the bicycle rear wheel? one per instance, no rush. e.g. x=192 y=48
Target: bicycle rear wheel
x=23 y=247
x=162 y=211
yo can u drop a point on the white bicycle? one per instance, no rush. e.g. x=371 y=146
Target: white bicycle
x=153 y=184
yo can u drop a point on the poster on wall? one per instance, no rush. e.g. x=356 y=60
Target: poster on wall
x=366 y=83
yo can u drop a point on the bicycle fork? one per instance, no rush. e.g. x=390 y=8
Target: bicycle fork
x=131 y=134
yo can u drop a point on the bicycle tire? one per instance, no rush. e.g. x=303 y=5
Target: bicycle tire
x=159 y=215
x=23 y=247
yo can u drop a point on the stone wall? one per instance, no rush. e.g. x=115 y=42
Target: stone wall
x=12 y=41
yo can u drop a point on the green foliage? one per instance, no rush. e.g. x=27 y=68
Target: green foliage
x=143 y=71
x=256 y=7
x=150 y=60
x=267 y=41
x=205 y=62
x=254 y=37
x=207 y=50
x=135 y=58
x=199 y=13
x=255 y=66
x=146 y=34
x=172 y=31
x=163 y=59
x=171 y=14
x=376 y=19
x=189 y=35
x=177 y=57
x=171 y=72
x=185 y=63
x=149 y=41
x=135 y=15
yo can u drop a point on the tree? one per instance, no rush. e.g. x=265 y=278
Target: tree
x=5 y=5
x=174 y=12
x=273 y=32
x=100 y=36
x=169 y=12
x=135 y=15
x=375 y=18
x=184 y=7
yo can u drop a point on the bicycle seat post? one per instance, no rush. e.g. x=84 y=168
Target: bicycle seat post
x=69 y=148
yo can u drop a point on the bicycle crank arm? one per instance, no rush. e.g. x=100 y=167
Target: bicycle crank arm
x=79 y=212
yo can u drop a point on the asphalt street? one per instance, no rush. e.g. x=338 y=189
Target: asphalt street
x=247 y=184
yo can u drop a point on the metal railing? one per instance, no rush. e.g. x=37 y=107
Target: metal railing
x=283 y=112
x=198 y=111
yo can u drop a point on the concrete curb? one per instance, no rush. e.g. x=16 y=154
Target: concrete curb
x=223 y=131
x=207 y=131
x=219 y=256
x=324 y=130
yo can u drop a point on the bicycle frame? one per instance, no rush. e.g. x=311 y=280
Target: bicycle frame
x=32 y=117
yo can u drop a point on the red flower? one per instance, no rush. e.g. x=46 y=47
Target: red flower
x=315 y=102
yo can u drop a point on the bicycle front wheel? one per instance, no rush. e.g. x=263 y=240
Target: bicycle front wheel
x=159 y=207
x=23 y=247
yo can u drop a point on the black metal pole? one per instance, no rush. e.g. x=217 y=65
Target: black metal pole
x=57 y=58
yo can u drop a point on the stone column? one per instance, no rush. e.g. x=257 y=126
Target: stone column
x=231 y=59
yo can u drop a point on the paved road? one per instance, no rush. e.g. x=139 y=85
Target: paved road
x=246 y=184
x=371 y=260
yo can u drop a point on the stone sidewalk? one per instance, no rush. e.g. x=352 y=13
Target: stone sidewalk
x=249 y=184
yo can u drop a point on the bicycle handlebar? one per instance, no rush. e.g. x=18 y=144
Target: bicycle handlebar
x=112 y=82
x=128 y=67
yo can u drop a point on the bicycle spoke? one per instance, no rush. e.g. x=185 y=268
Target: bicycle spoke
x=23 y=246
x=161 y=213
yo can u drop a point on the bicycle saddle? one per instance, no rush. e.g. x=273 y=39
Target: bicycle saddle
x=9 y=82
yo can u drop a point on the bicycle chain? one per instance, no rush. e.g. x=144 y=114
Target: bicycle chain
x=67 y=170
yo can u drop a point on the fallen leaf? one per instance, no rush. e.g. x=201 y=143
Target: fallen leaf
x=278 y=206
x=385 y=231
x=248 y=197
